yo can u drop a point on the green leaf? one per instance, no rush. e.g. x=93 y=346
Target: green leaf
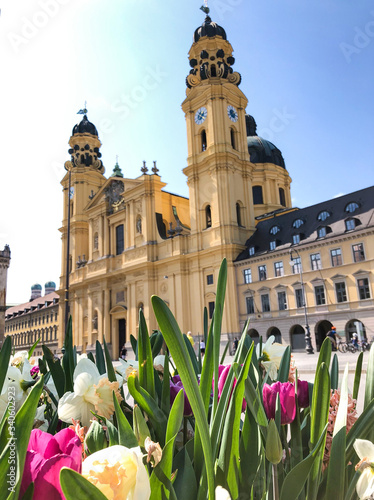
x=91 y=357
x=229 y=461
x=68 y=357
x=369 y=386
x=255 y=405
x=29 y=493
x=192 y=354
x=296 y=478
x=360 y=430
x=284 y=368
x=146 y=371
x=250 y=454
x=179 y=353
x=224 y=353
x=185 y=476
x=319 y=416
x=32 y=349
x=160 y=478
x=76 y=487
x=5 y=354
x=134 y=345
x=126 y=436
x=337 y=466
x=149 y=406
x=96 y=438
x=324 y=354
x=356 y=385
x=156 y=342
x=334 y=372
x=112 y=433
x=109 y=365
x=165 y=396
x=140 y=426
x=100 y=361
x=57 y=373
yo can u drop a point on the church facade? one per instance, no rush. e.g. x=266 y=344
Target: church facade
x=131 y=238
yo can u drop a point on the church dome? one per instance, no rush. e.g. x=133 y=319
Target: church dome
x=36 y=287
x=85 y=127
x=261 y=150
x=209 y=29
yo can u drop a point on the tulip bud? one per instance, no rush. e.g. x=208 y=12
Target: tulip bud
x=273 y=448
x=95 y=438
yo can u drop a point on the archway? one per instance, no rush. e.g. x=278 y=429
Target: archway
x=355 y=326
x=276 y=332
x=297 y=335
x=320 y=331
x=254 y=336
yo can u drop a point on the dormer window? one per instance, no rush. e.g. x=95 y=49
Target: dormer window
x=296 y=239
x=323 y=215
x=297 y=223
x=321 y=232
x=351 y=207
x=274 y=230
x=251 y=251
x=273 y=245
x=350 y=224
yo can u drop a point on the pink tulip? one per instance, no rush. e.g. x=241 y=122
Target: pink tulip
x=223 y=371
x=45 y=457
x=302 y=393
x=286 y=397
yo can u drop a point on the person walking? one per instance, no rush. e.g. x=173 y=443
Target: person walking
x=332 y=336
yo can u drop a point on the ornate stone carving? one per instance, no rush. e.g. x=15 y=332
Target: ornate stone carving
x=113 y=194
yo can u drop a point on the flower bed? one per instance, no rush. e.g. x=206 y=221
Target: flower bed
x=198 y=429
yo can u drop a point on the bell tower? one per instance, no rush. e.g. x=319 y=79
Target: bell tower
x=86 y=173
x=218 y=168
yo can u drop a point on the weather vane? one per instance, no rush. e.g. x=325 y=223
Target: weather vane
x=205 y=7
x=84 y=110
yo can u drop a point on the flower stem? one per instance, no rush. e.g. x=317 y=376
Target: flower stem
x=275 y=483
x=184 y=430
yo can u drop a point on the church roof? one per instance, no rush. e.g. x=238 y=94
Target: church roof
x=306 y=223
x=85 y=127
x=260 y=150
x=209 y=29
x=43 y=302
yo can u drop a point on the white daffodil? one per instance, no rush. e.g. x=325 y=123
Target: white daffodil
x=16 y=386
x=118 y=472
x=272 y=353
x=365 y=485
x=126 y=367
x=92 y=392
x=40 y=422
x=18 y=359
x=222 y=494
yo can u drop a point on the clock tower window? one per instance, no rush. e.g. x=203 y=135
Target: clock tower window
x=203 y=141
x=208 y=216
x=257 y=195
x=238 y=215
x=282 y=197
x=233 y=138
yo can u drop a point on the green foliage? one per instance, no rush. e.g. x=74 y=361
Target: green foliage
x=76 y=487
x=5 y=354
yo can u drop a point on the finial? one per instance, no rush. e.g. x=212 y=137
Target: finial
x=154 y=168
x=117 y=159
x=144 y=168
x=84 y=110
x=205 y=7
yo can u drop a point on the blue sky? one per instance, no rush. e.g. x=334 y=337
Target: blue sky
x=307 y=71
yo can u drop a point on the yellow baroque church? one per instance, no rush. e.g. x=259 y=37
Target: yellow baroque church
x=131 y=238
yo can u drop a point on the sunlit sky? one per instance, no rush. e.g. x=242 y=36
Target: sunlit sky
x=307 y=71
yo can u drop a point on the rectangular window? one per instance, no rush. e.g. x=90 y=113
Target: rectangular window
x=315 y=261
x=247 y=276
x=250 y=305
x=296 y=239
x=358 y=252
x=299 y=298
x=363 y=288
x=211 y=309
x=282 y=301
x=278 y=269
x=209 y=279
x=319 y=292
x=251 y=251
x=336 y=257
x=341 y=294
x=265 y=303
x=262 y=273
x=296 y=265
x=273 y=245
x=120 y=242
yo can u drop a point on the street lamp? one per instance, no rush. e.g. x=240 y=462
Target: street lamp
x=68 y=167
x=308 y=342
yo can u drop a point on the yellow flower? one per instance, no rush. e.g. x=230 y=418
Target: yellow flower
x=118 y=472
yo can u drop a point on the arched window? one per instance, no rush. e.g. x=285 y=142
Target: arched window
x=297 y=223
x=238 y=215
x=213 y=70
x=120 y=242
x=351 y=207
x=257 y=195
x=282 y=197
x=203 y=141
x=323 y=215
x=208 y=216
x=233 y=138
x=274 y=229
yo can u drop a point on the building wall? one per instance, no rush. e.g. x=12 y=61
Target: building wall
x=4 y=265
x=38 y=319
x=343 y=315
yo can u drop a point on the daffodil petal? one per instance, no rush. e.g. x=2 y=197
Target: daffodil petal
x=365 y=485
x=85 y=365
x=70 y=407
x=364 y=449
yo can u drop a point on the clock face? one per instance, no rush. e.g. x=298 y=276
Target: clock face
x=200 y=115
x=232 y=113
